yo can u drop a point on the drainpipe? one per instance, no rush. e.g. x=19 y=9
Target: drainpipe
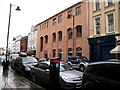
x=87 y=49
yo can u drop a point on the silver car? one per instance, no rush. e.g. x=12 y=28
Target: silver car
x=69 y=78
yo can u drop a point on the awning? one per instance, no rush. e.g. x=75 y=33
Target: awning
x=116 y=49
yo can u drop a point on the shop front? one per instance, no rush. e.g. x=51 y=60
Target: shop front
x=100 y=48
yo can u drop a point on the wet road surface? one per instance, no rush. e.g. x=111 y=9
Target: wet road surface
x=13 y=81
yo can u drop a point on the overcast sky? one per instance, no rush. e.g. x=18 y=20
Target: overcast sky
x=32 y=12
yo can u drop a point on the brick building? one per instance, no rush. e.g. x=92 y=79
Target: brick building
x=23 y=44
x=64 y=34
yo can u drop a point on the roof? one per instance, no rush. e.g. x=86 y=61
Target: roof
x=60 y=12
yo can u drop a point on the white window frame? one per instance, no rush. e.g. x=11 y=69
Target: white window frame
x=107 y=23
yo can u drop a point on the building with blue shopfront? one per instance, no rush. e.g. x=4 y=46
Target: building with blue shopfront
x=100 y=48
x=104 y=30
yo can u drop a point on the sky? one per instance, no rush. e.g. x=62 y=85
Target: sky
x=32 y=12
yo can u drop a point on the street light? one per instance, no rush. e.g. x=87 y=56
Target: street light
x=5 y=66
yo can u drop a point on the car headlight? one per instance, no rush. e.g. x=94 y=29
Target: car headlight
x=27 y=69
x=66 y=79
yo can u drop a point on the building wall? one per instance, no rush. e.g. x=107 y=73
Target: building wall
x=16 y=44
x=47 y=28
x=101 y=43
x=23 y=44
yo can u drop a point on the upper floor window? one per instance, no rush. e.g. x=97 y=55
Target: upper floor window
x=110 y=2
x=97 y=25
x=79 y=31
x=59 y=18
x=69 y=14
x=70 y=33
x=46 y=39
x=60 y=35
x=54 y=21
x=54 y=37
x=110 y=23
x=78 y=10
x=97 y=5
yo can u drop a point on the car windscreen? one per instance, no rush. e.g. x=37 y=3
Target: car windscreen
x=65 y=67
x=29 y=60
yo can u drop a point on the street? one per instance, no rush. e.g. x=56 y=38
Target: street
x=11 y=80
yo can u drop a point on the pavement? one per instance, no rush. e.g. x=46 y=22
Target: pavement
x=9 y=80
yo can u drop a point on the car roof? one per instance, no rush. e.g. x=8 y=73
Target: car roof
x=73 y=56
x=48 y=62
x=111 y=61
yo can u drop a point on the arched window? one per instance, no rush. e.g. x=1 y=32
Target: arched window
x=78 y=31
x=70 y=52
x=79 y=51
x=41 y=43
x=60 y=35
x=46 y=39
x=60 y=53
x=54 y=37
x=54 y=52
x=69 y=33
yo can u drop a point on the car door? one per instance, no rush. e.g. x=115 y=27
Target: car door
x=44 y=73
x=18 y=64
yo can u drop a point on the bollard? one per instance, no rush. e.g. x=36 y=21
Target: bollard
x=54 y=73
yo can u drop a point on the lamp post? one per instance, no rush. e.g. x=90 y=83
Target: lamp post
x=6 y=64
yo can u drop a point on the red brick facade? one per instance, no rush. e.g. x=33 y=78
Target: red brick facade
x=62 y=34
x=23 y=44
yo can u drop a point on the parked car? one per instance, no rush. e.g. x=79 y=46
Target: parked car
x=13 y=57
x=104 y=75
x=69 y=78
x=78 y=62
x=23 y=63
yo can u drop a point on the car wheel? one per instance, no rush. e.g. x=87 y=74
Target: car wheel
x=82 y=68
x=34 y=78
x=89 y=86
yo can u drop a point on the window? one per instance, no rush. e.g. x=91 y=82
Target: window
x=59 y=18
x=46 y=39
x=110 y=2
x=54 y=52
x=47 y=24
x=78 y=10
x=54 y=37
x=70 y=51
x=69 y=14
x=41 y=45
x=97 y=5
x=97 y=22
x=54 y=21
x=70 y=33
x=79 y=31
x=60 y=35
x=60 y=53
x=110 y=23
x=79 y=51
